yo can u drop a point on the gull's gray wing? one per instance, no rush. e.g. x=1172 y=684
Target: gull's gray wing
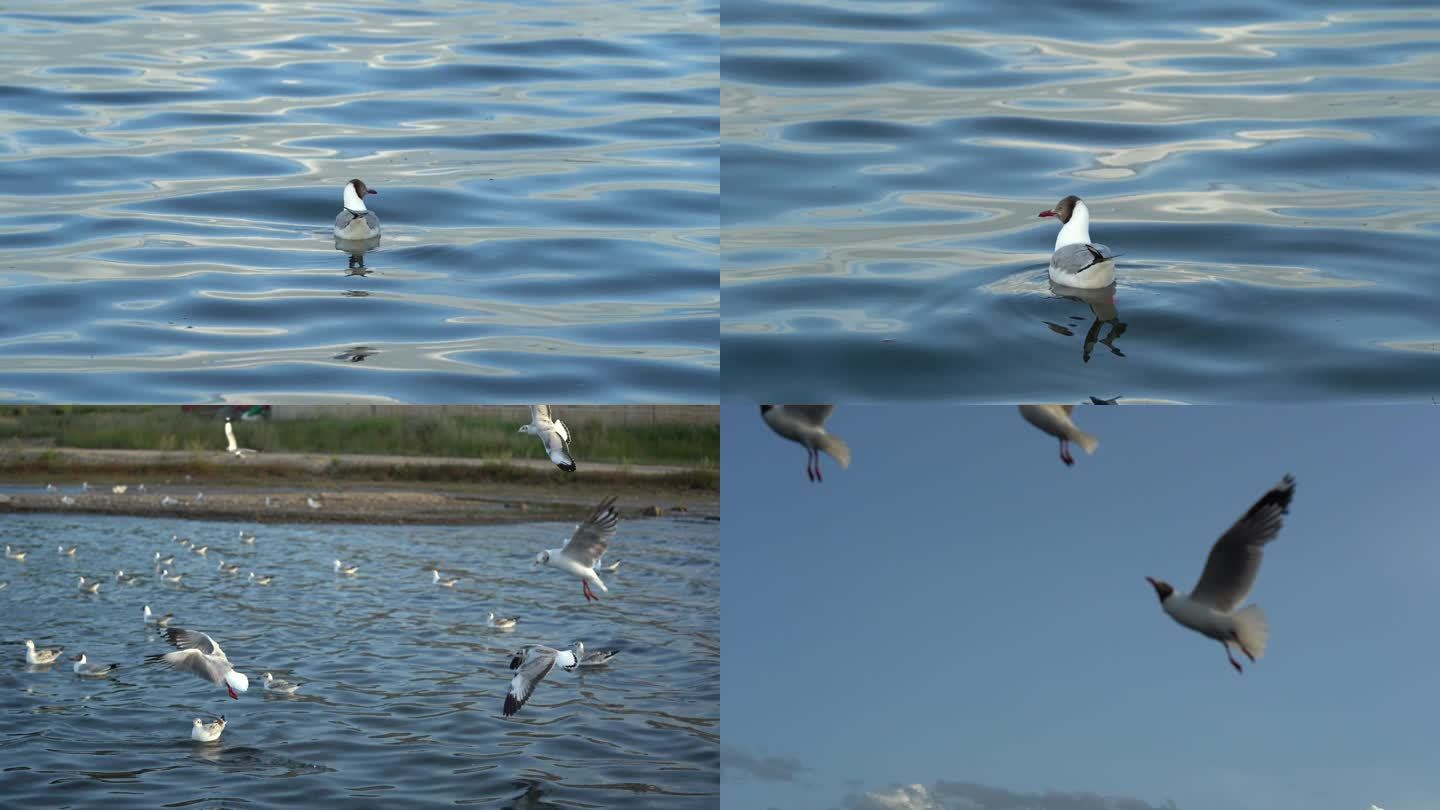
x=810 y=414
x=193 y=640
x=1235 y=560
x=540 y=414
x=1075 y=259
x=592 y=537
x=532 y=665
x=194 y=662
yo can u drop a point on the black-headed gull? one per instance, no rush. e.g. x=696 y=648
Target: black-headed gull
x=89 y=587
x=124 y=578
x=169 y=577
x=347 y=570
x=158 y=621
x=69 y=552
x=1078 y=262
x=1230 y=572
x=1057 y=421
x=502 y=622
x=444 y=583
x=199 y=655
x=262 y=579
x=36 y=657
x=228 y=568
x=355 y=222
x=207 y=732
x=279 y=687
x=248 y=540
x=585 y=547
x=593 y=659
x=554 y=436
x=85 y=668
x=14 y=554
x=531 y=665
x=806 y=424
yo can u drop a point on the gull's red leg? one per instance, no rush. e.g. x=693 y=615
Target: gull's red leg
x=1233 y=662
x=1065 y=453
x=818 y=476
x=233 y=696
x=810 y=464
x=589 y=595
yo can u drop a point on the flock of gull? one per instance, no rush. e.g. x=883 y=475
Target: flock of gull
x=198 y=654
x=1212 y=608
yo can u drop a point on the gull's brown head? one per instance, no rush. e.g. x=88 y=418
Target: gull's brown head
x=361 y=189
x=1162 y=588
x=1062 y=209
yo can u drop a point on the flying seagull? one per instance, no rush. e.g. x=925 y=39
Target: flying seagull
x=554 y=436
x=531 y=665
x=585 y=547
x=199 y=655
x=806 y=424
x=1230 y=572
x=1056 y=420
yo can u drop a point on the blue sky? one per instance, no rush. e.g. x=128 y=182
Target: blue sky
x=959 y=620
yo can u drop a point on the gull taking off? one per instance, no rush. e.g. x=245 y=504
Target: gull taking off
x=1056 y=420
x=806 y=424
x=532 y=664
x=234 y=448
x=207 y=732
x=199 y=655
x=585 y=547
x=355 y=221
x=1077 y=262
x=36 y=657
x=1230 y=572
x=86 y=669
x=554 y=436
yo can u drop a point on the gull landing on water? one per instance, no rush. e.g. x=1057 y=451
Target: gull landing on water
x=234 y=448
x=199 y=655
x=585 y=547
x=356 y=222
x=532 y=664
x=1056 y=420
x=207 y=732
x=806 y=424
x=1229 y=576
x=554 y=436
x=1077 y=262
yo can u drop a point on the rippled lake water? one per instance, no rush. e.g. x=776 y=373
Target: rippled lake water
x=403 y=682
x=1267 y=171
x=549 y=196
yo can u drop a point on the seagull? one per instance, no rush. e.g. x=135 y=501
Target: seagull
x=1077 y=262
x=233 y=448
x=162 y=621
x=93 y=587
x=201 y=550
x=249 y=541
x=51 y=488
x=444 y=583
x=124 y=578
x=232 y=568
x=273 y=684
x=199 y=655
x=199 y=497
x=11 y=554
x=355 y=221
x=263 y=579
x=554 y=436
x=36 y=657
x=207 y=732
x=595 y=659
x=164 y=561
x=611 y=568
x=168 y=577
x=532 y=664
x=67 y=500
x=1229 y=575
x=84 y=486
x=184 y=541
x=168 y=501
x=585 y=547
x=312 y=503
x=806 y=424
x=1056 y=420
x=87 y=669
x=502 y=623
x=69 y=552
x=5 y=584
x=119 y=489
x=347 y=570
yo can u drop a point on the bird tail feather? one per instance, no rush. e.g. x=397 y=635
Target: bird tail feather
x=1087 y=442
x=1252 y=630
x=834 y=447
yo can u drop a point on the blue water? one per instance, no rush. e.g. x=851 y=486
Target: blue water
x=1267 y=170
x=402 y=682
x=549 y=197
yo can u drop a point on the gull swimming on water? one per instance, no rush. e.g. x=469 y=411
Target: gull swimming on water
x=263 y=579
x=84 y=668
x=232 y=568
x=201 y=550
x=162 y=621
x=355 y=222
x=69 y=552
x=1057 y=421
x=273 y=684
x=247 y=540
x=36 y=657
x=594 y=659
x=532 y=664
x=1077 y=262
x=586 y=546
x=124 y=578
x=1229 y=576
x=168 y=577
x=806 y=424
x=198 y=654
x=159 y=561
x=554 y=436
x=444 y=583
x=93 y=587
x=347 y=570
x=14 y=554
x=502 y=623
x=207 y=732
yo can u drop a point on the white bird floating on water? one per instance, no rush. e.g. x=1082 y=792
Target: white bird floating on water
x=201 y=550
x=502 y=623
x=207 y=732
x=444 y=583
x=554 y=436
x=263 y=579
x=355 y=222
x=232 y=447
x=14 y=554
x=84 y=668
x=168 y=577
x=273 y=684
x=69 y=552
x=595 y=659
x=93 y=587
x=1057 y=421
x=806 y=424
x=198 y=654
x=1077 y=262
x=161 y=621
x=249 y=541
x=36 y=657
x=1229 y=576
x=585 y=547
x=347 y=570
x=124 y=578
x=532 y=664
x=232 y=568
x=163 y=561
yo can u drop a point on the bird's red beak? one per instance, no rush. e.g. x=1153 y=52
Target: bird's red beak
x=233 y=696
x=1047 y=213
x=371 y=191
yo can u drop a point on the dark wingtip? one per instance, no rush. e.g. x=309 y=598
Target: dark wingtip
x=511 y=705
x=567 y=467
x=515 y=662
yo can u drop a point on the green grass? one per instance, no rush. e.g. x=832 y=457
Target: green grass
x=443 y=435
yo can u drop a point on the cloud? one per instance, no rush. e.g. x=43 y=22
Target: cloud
x=766 y=768
x=971 y=796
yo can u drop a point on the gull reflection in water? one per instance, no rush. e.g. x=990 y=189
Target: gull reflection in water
x=1102 y=307
x=357 y=354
